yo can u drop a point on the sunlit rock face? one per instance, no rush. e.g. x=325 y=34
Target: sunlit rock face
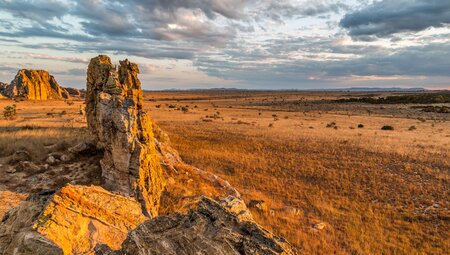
x=115 y=116
x=35 y=85
x=208 y=228
x=79 y=217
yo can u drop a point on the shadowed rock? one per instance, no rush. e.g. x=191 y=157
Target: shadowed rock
x=35 y=85
x=3 y=87
x=17 y=235
x=73 y=92
x=208 y=228
x=115 y=116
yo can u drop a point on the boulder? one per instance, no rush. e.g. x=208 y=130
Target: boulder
x=17 y=235
x=115 y=115
x=208 y=228
x=73 y=92
x=77 y=218
x=20 y=156
x=237 y=207
x=35 y=85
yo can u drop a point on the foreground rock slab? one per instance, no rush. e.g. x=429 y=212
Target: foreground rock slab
x=208 y=228
x=35 y=85
x=115 y=115
x=79 y=217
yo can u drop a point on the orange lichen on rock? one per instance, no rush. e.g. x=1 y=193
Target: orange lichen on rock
x=79 y=217
x=10 y=200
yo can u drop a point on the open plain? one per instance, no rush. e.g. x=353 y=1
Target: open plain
x=325 y=173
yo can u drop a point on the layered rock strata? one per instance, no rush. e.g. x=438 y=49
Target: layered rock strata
x=35 y=85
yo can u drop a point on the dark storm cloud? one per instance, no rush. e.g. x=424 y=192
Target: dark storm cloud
x=388 y=17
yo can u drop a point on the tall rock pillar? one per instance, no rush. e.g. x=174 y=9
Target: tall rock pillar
x=115 y=115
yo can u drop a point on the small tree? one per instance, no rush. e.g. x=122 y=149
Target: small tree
x=10 y=112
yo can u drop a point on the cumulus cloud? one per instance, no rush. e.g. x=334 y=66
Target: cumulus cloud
x=388 y=17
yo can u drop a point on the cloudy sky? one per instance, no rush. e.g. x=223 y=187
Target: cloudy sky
x=265 y=44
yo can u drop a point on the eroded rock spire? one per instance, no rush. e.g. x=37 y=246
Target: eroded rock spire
x=115 y=116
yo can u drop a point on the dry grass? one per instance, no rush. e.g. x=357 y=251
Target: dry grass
x=40 y=124
x=373 y=189
x=378 y=192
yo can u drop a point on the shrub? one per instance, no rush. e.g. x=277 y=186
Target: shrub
x=331 y=125
x=184 y=109
x=360 y=125
x=411 y=128
x=387 y=128
x=10 y=112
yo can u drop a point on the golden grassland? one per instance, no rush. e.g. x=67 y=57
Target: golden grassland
x=377 y=192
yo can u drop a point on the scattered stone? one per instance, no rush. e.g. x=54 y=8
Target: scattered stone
x=20 y=156
x=11 y=170
x=35 y=85
x=83 y=148
x=237 y=207
x=258 y=204
x=51 y=160
x=66 y=158
x=29 y=167
x=320 y=226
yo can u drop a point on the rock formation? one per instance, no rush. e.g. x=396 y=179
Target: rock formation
x=208 y=228
x=35 y=85
x=73 y=92
x=3 y=87
x=76 y=218
x=134 y=212
x=17 y=235
x=115 y=116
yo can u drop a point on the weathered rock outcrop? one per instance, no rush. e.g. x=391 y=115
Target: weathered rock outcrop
x=3 y=87
x=115 y=116
x=73 y=92
x=208 y=228
x=79 y=217
x=17 y=235
x=35 y=85
x=121 y=217
x=72 y=221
